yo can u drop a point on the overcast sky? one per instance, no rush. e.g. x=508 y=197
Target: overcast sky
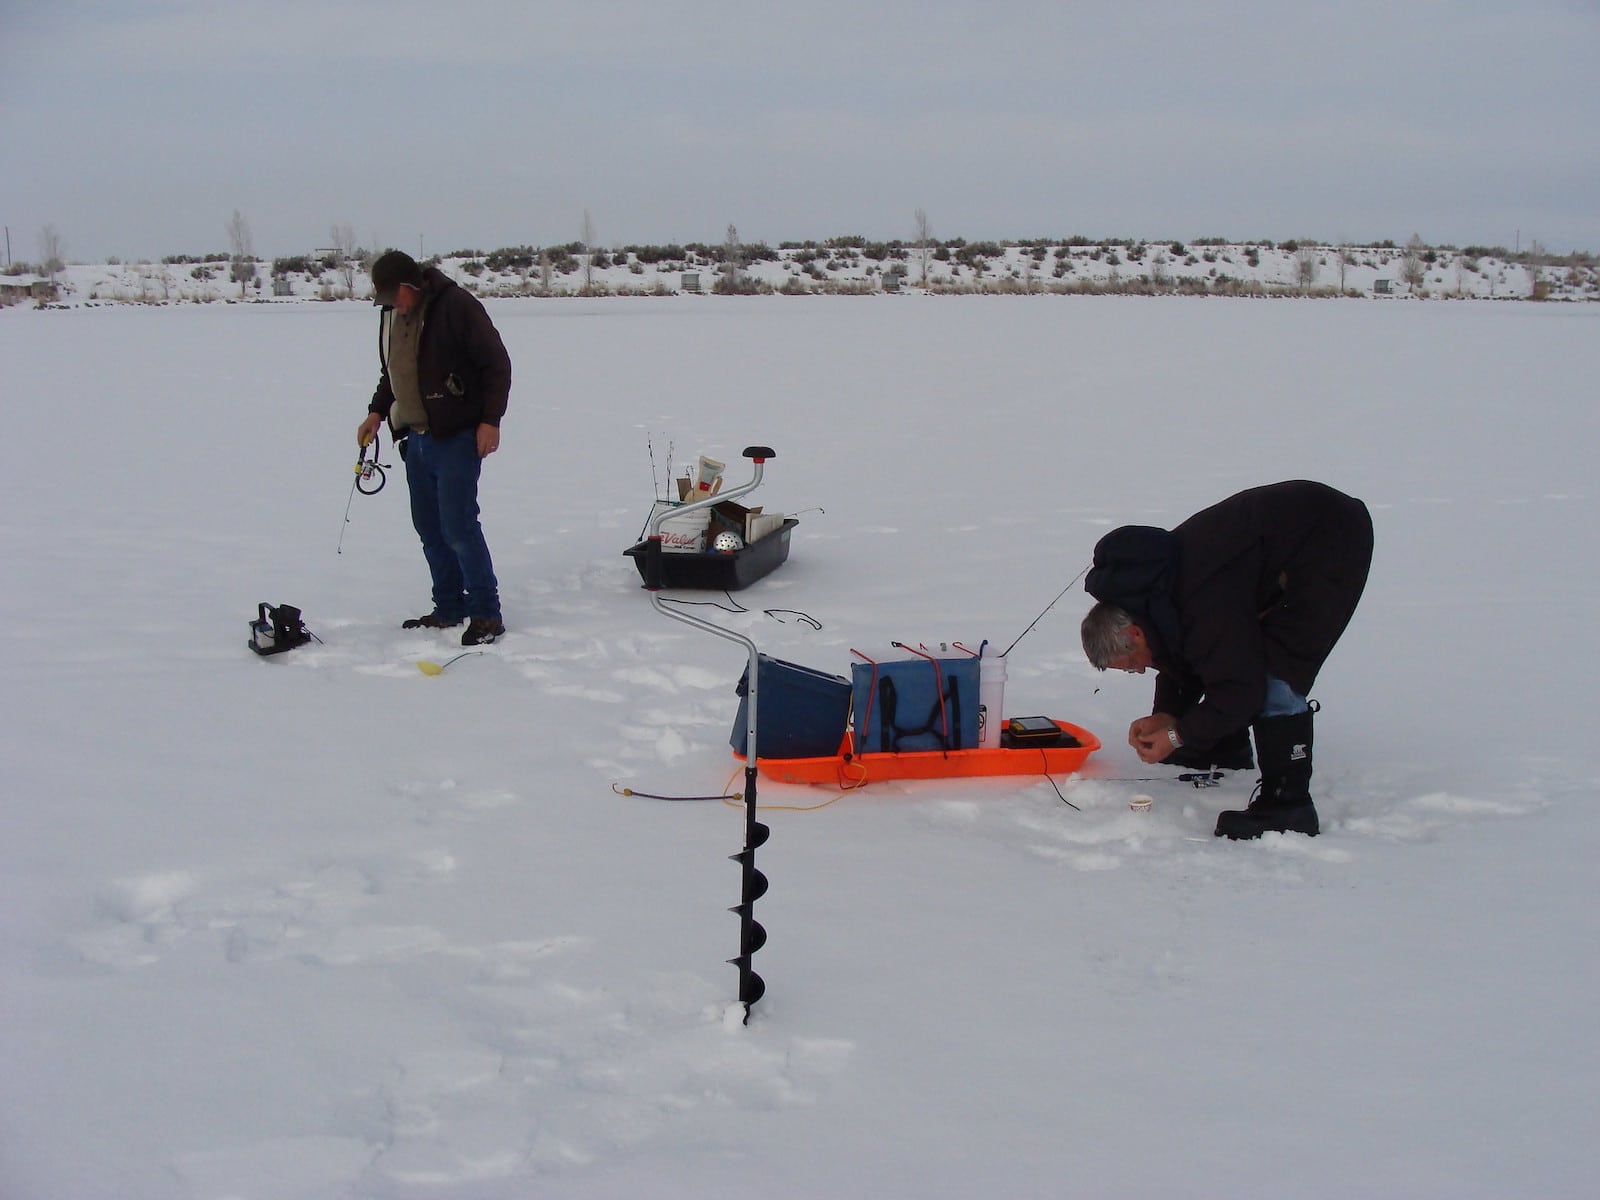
x=137 y=128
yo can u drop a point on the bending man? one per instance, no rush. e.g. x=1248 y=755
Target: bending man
x=1237 y=609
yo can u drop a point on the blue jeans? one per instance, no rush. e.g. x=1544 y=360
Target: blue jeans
x=1282 y=700
x=443 y=479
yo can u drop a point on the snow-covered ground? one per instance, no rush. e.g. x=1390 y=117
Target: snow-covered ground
x=1200 y=268
x=324 y=926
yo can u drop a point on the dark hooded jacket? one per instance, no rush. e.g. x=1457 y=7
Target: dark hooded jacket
x=1262 y=583
x=463 y=370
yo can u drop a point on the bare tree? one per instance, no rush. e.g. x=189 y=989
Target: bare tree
x=1341 y=258
x=153 y=277
x=1305 y=265
x=1412 y=269
x=730 y=262
x=242 y=246
x=588 y=251
x=51 y=250
x=924 y=236
x=1160 y=276
x=1538 y=287
x=344 y=250
x=547 y=272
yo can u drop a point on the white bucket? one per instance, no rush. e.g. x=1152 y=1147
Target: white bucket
x=991 y=699
x=683 y=535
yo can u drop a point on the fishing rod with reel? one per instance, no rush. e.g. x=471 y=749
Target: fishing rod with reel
x=371 y=475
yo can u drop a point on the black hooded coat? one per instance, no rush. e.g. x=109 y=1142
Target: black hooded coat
x=1262 y=583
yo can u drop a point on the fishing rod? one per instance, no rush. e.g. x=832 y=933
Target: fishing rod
x=1047 y=608
x=366 y=473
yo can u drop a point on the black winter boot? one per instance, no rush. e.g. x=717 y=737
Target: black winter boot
x=1232 y=753
x=433 y=620
x=1283 y=798
x=482 y=630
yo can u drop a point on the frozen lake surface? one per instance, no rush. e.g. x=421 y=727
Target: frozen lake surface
x=324 y=926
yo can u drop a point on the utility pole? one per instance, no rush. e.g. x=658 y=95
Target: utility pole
x=8 y=245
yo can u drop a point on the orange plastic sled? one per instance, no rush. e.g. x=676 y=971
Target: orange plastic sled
x=849 y=770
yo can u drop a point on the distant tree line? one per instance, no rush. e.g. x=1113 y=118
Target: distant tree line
x=853 y=262
x=566 y=258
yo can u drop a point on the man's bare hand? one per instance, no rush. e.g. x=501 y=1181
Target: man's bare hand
x=1149 y=738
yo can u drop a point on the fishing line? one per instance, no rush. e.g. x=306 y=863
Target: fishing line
x=1199 y=779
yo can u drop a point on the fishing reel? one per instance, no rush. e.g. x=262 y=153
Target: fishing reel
x=370 y=476
x=369 y=481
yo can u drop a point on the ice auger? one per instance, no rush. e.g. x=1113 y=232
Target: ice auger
x=752 y=884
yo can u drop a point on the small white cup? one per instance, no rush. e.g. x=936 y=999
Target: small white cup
x=1140 y=803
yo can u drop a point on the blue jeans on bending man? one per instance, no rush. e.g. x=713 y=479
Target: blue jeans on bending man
x=1282 y=700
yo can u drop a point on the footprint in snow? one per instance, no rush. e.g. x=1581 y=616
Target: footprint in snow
x=563 y=1076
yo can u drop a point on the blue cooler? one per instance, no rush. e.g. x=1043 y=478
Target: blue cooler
x=800 y=713
x=915 y=703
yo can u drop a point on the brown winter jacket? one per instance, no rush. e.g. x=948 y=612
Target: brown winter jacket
x=463 y=370
x=1262 y=583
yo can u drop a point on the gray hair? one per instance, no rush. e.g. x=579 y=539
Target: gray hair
x=1105 y=634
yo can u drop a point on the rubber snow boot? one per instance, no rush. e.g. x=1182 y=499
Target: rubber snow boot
x=1282 y=801
x=1232 y=753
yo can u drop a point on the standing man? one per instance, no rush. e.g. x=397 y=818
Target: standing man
x=1237 y=608
x=444 y=383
